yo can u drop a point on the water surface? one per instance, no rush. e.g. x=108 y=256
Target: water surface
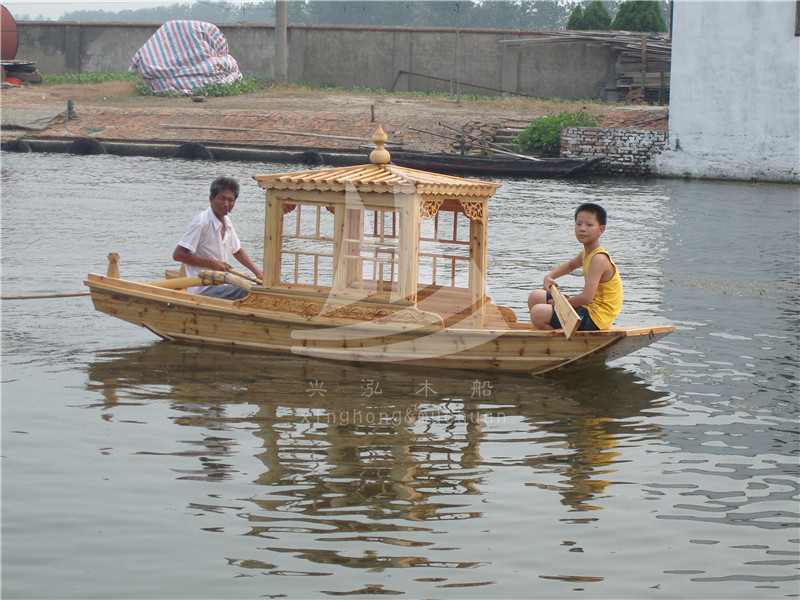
x=134 y=468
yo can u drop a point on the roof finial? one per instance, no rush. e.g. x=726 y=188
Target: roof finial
x=380 y=156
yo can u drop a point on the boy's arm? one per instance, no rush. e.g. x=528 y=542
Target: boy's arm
x=561 y=270
x=600 y=266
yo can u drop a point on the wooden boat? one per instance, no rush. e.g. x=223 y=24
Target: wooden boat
x=367 y=263
x=498 y=166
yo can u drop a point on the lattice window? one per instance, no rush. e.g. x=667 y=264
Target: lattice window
x=307 y=248
x=371 y=246
x=444 y=249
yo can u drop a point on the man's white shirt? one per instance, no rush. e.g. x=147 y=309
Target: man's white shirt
x=202 y=238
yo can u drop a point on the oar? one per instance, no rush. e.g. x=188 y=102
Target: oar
x=38 y=296
x=172 y=283
x=244 y=275
x=205 y=277
x=566 y=314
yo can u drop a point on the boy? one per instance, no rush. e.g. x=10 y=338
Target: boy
x=210 y=240
x=601 y=299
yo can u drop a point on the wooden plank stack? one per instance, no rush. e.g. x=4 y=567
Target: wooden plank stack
x=643 y=61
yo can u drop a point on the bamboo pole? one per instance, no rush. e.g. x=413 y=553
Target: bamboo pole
x=177 y=283
x=271 y=131
x=245 y=276
x=172 y=283
x=206 y=277
x=40 y=296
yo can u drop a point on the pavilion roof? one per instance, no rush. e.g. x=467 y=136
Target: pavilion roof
x=379 y=176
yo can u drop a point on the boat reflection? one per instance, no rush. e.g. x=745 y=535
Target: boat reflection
x=350 y=452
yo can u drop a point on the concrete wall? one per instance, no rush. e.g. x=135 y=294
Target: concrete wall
x=350 y=56
x=735 y=92
x=536 y=65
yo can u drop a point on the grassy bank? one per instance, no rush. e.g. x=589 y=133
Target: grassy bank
x=252 y=85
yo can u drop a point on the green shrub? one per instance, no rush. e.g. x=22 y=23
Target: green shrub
x=87 y=78
x=305 y=82
x=145 y=90
x=212 y=90
x=245 y=86
x=544 y=133
x=248 y=85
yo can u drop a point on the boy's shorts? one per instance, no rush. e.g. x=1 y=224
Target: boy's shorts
x=586 y=323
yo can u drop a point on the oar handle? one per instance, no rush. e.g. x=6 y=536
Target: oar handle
x=244 y=275
x=40 y=296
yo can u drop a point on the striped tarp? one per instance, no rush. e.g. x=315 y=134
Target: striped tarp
x=185 y=55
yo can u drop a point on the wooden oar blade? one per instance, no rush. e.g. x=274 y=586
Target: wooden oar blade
x=566 y=314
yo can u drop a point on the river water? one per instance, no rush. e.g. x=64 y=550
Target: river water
x=134 y=468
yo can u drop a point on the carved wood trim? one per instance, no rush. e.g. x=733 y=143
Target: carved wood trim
x=475 y=211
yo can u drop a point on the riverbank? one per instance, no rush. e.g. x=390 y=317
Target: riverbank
x=281 y=117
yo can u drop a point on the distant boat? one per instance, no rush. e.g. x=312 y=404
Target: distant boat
x=499 y=166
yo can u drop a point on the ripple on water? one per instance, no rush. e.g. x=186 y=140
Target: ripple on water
x=249 y=473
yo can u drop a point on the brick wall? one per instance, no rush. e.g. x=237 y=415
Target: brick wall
x=624 y=151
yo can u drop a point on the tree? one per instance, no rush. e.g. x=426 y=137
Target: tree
x=484 y=14
x=634 y=15
x=596 y=17
x=576 y=19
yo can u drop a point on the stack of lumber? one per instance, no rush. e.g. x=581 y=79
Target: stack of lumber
x=643 y=61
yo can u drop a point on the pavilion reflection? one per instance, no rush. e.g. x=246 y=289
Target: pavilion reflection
x=354 y=450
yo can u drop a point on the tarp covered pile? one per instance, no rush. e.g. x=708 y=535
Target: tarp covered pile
x=185 y=55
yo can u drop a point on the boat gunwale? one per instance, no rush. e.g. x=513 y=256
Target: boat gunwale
x=227 y=307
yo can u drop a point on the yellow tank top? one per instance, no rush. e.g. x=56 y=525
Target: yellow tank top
x=607 y=302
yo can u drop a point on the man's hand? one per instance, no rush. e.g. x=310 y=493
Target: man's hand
x=218 y=265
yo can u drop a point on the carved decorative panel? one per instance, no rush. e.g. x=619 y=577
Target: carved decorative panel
x=475 y=211
x=429 y=208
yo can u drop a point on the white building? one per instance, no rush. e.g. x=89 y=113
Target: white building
x=734 y=110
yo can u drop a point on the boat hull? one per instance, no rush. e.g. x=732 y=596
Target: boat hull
x=190 y=318
x=455 y=164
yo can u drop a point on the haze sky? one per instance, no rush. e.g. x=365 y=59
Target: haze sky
x=53 y=9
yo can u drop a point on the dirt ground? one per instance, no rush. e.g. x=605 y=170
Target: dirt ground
x=114 y=111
